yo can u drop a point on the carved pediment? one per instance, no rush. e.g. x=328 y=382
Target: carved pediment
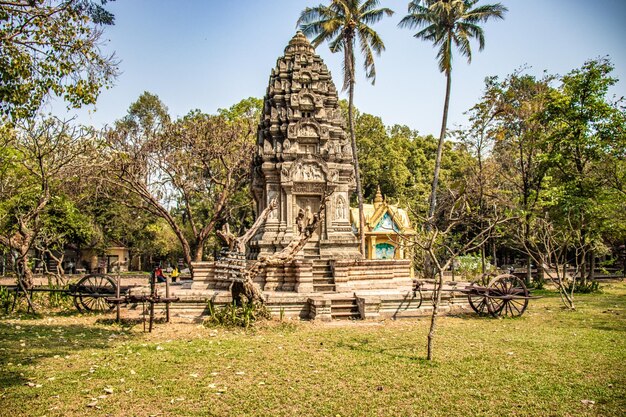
x=306 y=99
x=308 y=170
x=307 y=102
x=307 y=128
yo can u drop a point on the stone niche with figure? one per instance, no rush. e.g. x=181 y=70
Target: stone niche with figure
x=303 y=155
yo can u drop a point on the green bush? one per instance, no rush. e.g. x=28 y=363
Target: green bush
x=470 y=266
x=232 y=315
x=57 y=299
x=590 y=287
x=538 y=283
x=5 y=299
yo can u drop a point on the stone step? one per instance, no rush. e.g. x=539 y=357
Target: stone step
x=344 y=309
x=337 y=314
x=343 y=299
x=323 y=287
x=343 y=302
x=324 y=281
x=350 y=306
x=345 y=315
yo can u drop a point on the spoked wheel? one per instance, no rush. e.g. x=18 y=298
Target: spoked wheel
x=510 y=293
x=91 y=293
x=481 y=304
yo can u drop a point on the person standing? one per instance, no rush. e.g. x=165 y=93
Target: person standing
x=174 y=275
x=158 y=274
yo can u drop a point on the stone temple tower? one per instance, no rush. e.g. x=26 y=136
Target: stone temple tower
x=303 y=153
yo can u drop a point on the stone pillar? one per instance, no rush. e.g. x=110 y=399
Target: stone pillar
x=287 y=282
x=372 y=254
x=304 y=275
x=290 y=201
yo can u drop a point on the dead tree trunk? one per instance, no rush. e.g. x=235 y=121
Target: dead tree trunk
x=249 y=289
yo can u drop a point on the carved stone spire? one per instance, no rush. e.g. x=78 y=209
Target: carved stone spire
x=302 y=151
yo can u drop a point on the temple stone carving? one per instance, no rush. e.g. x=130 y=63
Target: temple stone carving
x=303 y=153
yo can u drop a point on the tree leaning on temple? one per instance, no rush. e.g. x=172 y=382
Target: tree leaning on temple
x=445 y=22
x=342 y=24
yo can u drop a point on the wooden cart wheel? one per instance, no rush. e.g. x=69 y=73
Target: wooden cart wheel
x=476 y=297
x=91 y=292
x=510 y=294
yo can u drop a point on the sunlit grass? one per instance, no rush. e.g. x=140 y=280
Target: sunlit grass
x=549 y=362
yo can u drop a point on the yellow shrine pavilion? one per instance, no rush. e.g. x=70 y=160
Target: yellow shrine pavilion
x=387 y=229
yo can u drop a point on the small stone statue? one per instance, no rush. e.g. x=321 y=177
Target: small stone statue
x=300 y=221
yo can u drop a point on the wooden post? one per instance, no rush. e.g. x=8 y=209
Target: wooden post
x=117 y=297
x=151 y=301
x=167 y=303
x=143 y=315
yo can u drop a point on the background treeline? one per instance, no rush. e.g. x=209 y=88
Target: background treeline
x=547 y=152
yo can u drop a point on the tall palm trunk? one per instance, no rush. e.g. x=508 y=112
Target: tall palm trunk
x=349 y=63
x=442 y=136
x=357 y=175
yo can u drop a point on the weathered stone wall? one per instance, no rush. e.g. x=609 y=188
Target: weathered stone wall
x=353 y=275
x=297 y=276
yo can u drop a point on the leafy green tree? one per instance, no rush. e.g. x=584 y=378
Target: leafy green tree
x=120 y=224
x=444 y=23
x=509 y=119
x=587 y=134
x=63 y=223
x=343 y=24
x=249 y=108
x=239 y=213
x=186 y=172
x=52 y=47
x=400 y=161
x=39 y=160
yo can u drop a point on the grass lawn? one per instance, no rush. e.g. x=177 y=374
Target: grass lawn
x=550 y=362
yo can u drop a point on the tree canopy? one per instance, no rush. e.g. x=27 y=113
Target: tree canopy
x=52 y=47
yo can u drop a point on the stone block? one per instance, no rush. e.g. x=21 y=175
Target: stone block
x=319 y=309
x=369 y=307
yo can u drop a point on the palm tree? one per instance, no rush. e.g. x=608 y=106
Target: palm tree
x=445 y=22
x=343 y=24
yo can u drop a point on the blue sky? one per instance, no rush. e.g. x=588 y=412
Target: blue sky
x=210 y=54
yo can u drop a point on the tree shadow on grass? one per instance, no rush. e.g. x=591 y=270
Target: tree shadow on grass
x=27 y=344
x=363 y=346
x=128 y=323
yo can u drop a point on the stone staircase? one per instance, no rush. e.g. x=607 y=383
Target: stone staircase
x=323 y=280
x=344 y=308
